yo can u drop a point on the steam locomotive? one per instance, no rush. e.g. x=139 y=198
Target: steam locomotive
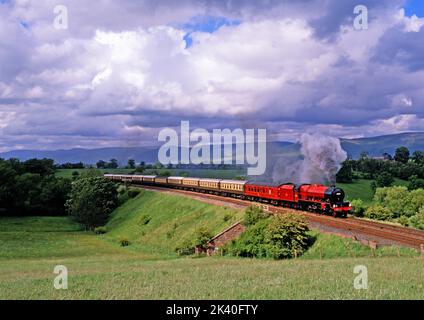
x=309 y=197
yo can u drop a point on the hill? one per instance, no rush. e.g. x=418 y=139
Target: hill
x=156 y=223
x=374 y=146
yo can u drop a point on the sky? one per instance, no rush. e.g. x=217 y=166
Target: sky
x=123 y=70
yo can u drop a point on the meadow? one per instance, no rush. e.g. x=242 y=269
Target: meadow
x=99 y=268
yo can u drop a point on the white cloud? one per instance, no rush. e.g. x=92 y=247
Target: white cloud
x=401 y=123
x=411 y=24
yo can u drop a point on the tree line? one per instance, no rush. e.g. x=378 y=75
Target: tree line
x=402 y=165
x=31 y=188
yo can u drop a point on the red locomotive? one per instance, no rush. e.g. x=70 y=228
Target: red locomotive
x=311 y=197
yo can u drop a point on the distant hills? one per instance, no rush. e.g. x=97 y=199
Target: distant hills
x=374 y=146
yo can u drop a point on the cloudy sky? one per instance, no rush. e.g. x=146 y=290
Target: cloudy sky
x=122 y=70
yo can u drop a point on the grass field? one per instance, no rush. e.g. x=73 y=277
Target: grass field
x=100 y=269
x=67 y=173
x=361 y=189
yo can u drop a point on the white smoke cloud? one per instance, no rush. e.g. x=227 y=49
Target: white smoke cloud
x=321 y=160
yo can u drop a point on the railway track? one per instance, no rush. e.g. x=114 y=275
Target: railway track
x=360 y=229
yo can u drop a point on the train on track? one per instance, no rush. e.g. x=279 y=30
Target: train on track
x=308 y=197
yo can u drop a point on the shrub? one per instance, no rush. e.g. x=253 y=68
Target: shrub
x=403 y=221
x=400 y=201
x=202 y=237
x=395 y=199
x=185 y=248
x=417 y=221
x=253 y=214
x=278 y=238
x=122 y=198
x=286 y=236
x=250 y=243
x=227 y=217
x=132 y=193
x=358 y=207
x=415 y=183
x=378 y=212
x=100 y=230
x=124 y=242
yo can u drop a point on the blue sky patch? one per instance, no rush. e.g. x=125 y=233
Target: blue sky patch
x=414 y=7
x=207 y=24
x=25 y=24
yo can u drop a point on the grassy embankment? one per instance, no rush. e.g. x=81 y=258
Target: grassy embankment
x=148 y=268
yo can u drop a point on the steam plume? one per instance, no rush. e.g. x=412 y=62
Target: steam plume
x=321 y=160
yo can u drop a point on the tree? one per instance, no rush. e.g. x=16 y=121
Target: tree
x=363 y=155
x=345 y=174
x=158 y=165
x=101 y=164
x=402 y=154
x=418 y=157
x=415 y=183
x=139 y=169
x=131 y=164
x=387 y=156
x=42 y=167
x=8 y=189
x=253 y=214
x=75 y=174
x=113 y=164
x=53 y=195
x=91 y=201
x=384 y=179
x=91 y=173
